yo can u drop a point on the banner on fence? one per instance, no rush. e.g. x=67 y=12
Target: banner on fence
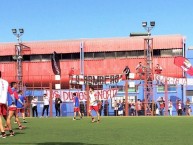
x=66 y=95
x=173 y=81
x=95 y=80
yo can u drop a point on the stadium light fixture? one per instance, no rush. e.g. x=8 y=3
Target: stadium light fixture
x=152 y=23
x=14 y=31
x=18 y=34
x=21 y=31
x=150 y=27
x=144 y=24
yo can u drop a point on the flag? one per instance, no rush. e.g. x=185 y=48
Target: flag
x=184 y=63
x=56 y=64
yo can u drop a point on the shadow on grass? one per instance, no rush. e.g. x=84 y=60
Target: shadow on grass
x=64 y=143
x=55 y=143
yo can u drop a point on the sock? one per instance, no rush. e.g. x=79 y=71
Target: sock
x=2 y=133
x=10 y=131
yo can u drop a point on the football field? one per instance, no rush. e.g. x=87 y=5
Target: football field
x=111 y=131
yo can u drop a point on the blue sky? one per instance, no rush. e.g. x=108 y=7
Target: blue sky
x=73 y=19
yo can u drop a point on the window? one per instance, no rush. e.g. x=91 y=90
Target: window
x=99 y=55
x=75 y=55
x=66 y=56
x=166 y=52
x=5 y=58
x=35 y=57
x=171 y=88
x=122 y=89
x=189 y=92
x=88 y=55
x=109 y=54
x=156 y=52
x=136 y=53
x=26 y=57
x=46 y=57
x=177 y=51
x=133 y=89
x=121 y=54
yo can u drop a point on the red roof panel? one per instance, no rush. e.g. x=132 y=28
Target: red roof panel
x=95 y=45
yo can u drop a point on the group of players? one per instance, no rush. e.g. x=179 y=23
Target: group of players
x=93 y=106
x=11 y=103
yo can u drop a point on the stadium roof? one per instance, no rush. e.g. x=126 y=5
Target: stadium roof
x=94 y=45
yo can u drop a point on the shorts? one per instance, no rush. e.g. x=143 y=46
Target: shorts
x=76 y=109
x=95 y=108
x=3 y=109
x=20 y=110
x=12 y=108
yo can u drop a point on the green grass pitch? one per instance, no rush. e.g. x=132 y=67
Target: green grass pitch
x=111 y=131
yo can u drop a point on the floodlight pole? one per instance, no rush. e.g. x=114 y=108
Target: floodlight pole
x=148 y=55
x=18 y=52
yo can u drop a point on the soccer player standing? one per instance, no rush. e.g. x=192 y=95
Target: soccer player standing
x=93 y=105
x=4 y=88
x=76 y=106
x=13 y=108
x=20 y=107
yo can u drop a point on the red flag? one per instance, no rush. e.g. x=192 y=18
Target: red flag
x=184 y=63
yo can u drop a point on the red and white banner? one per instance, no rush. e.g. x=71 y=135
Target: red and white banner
x=184 y=63
x=66 y=95
x=170 y=80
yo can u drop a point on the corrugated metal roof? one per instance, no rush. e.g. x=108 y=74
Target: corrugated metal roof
x=95 y=45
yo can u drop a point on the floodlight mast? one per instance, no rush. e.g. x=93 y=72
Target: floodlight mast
x=18 y=51
x=148 y=56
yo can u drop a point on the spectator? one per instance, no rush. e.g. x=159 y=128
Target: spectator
x=46 y=105
x=58 y=101
x=158 y=69
x=120 y=108
x=157 y=110
x=115 y=108
x=140 y=70
x=71 y=73
x=161 y=106
x=106 y=108
x=126 y=71
x=153 y=107
x=34 y=102
x=100 y=106
x=179 y=107
x=170 y=107
x=188 y=107
x=82 y=108
x=123 y=107
x=132 y=106
x=139 y=107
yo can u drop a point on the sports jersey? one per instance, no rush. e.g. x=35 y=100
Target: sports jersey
x=46 y=100
x=76 y=102
x=34 y=102
x=93 y=101
x=12 y=100
x=18 y=104
x=4 y=88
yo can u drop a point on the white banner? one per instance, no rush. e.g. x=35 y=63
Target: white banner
x=66 y=95
x=172 y=80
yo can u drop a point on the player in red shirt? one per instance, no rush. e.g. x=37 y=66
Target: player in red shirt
x=13 y=108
